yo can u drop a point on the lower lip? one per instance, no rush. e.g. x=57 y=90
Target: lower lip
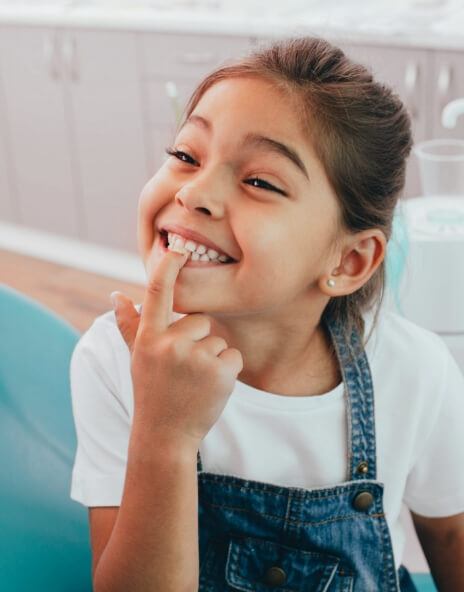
x=194 y=264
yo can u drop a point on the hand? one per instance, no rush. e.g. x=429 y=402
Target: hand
x=182 y=376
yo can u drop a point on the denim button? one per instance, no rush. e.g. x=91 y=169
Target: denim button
x=275 y=576
x=363 y=467
x=363 y=501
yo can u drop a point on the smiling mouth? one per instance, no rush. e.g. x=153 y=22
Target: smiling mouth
x=191 y=263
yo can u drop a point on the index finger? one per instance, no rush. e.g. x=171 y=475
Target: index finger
x=156 y=312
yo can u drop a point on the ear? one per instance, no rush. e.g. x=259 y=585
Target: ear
x=360 y=258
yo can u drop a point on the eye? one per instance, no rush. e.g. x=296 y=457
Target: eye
x=267 y=186
x=184 y=157
x=179 y=155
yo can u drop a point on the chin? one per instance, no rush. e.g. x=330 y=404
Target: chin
x=181 y=306
x=181 y=309
x=187 y=306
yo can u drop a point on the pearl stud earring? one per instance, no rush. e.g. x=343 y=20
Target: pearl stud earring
x=331 y=283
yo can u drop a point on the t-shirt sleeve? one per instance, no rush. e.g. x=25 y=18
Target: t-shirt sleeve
x=101 y=421
x=435 y=484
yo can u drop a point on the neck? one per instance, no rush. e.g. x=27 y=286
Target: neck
x=283 y=359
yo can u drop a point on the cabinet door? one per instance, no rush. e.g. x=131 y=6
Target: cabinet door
x=107 y=122
x=157 y=138
x=447 y=83
x=187 y=55
x=8 y=211
x=406 y=71
x=37 y=121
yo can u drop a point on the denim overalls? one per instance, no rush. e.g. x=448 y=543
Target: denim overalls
x=257 y=537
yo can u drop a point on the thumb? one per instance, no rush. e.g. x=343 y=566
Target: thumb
x=127 y=317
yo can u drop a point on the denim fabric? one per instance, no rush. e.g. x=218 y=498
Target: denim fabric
x=256 y=536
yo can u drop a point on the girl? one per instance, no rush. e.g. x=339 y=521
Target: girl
x=254 y=426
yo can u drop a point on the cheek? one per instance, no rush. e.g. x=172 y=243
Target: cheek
x=266 y=257
x=154 y=197
x=284 y=261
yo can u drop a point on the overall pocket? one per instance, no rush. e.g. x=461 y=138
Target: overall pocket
x=257 y=565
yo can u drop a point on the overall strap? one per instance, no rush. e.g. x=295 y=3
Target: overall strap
x=359 y=398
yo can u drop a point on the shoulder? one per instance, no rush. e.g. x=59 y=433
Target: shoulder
x=409 y=363
x=413 y=370
x=405 y=343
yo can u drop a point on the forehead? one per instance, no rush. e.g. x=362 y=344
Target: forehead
x=237 y=106
x=245 y=102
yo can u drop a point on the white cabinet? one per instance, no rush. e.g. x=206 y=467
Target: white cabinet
x=39 y=143
x=8 y=209
x=447 y=80
x=107 y=131
x=181 y=60
x=74 y=111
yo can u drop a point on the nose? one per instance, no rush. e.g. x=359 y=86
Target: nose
x=208 y=192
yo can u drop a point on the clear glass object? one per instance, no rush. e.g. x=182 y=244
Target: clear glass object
x=441 y=166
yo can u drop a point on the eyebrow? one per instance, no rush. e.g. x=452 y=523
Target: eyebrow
x=256 y=140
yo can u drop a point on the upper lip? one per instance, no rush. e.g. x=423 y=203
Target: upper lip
x=193 y=235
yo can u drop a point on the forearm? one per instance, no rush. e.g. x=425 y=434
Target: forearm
x=446 y=560
x=154 y=543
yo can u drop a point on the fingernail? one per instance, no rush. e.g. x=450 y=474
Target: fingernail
x=114 y=299
x=178 y=249
x=184 y=252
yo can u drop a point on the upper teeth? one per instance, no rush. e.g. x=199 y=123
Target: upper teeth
x=199 y=252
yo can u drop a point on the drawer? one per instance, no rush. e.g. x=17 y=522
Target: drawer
x=188 y=55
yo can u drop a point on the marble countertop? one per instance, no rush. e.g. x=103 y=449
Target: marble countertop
x=434 y=24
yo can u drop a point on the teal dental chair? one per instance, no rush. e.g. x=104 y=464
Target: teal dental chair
x=396 y=256
x=44 y=534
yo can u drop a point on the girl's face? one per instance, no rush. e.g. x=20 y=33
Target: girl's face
x=246 y=178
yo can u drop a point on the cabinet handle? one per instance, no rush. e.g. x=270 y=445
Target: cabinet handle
x=173 y=96
x=410 y=81
x=50 y=55
x=204 y=57
x=444 y=84
x=70 y=56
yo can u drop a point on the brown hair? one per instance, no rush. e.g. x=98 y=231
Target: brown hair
x=361 y=133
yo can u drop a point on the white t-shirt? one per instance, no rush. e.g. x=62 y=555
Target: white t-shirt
x=419 y=415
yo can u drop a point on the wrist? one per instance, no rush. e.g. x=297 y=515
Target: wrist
x=164 y=438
